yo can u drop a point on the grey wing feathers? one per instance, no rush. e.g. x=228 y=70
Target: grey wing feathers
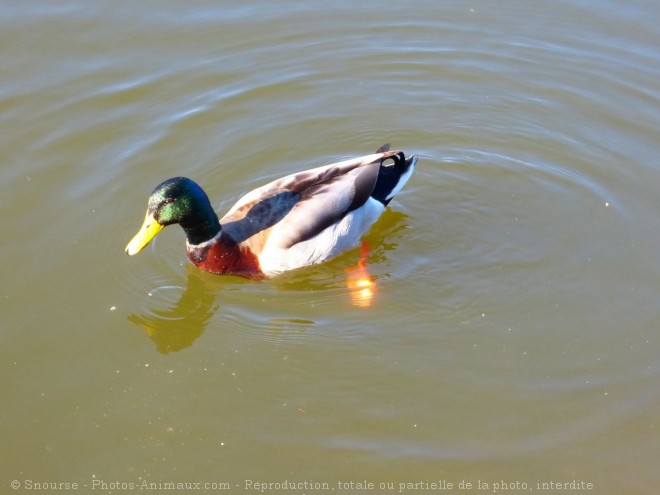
x=326 y=203
x=300 y=205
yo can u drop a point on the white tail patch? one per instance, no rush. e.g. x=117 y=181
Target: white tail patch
x=402 y=180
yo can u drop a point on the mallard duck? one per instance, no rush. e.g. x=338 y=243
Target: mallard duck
x=292 y=222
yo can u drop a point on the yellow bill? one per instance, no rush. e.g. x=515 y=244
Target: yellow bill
x=148 y=231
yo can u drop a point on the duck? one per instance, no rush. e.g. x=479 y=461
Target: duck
x=296 y=221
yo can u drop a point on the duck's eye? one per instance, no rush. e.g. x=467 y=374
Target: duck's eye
x=169 y=201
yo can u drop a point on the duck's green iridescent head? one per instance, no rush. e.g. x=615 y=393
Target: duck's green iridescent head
x=177 y=200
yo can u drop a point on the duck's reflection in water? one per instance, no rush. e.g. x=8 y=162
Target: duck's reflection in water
x=178 y=326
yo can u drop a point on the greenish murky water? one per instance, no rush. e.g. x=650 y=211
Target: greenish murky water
x=512 y=339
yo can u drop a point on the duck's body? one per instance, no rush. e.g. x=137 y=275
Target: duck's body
x=295 y=221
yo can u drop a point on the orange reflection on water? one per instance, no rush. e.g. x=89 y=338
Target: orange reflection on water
x=360 y=283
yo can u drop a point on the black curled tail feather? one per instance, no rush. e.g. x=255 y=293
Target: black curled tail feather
x=392 y=177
